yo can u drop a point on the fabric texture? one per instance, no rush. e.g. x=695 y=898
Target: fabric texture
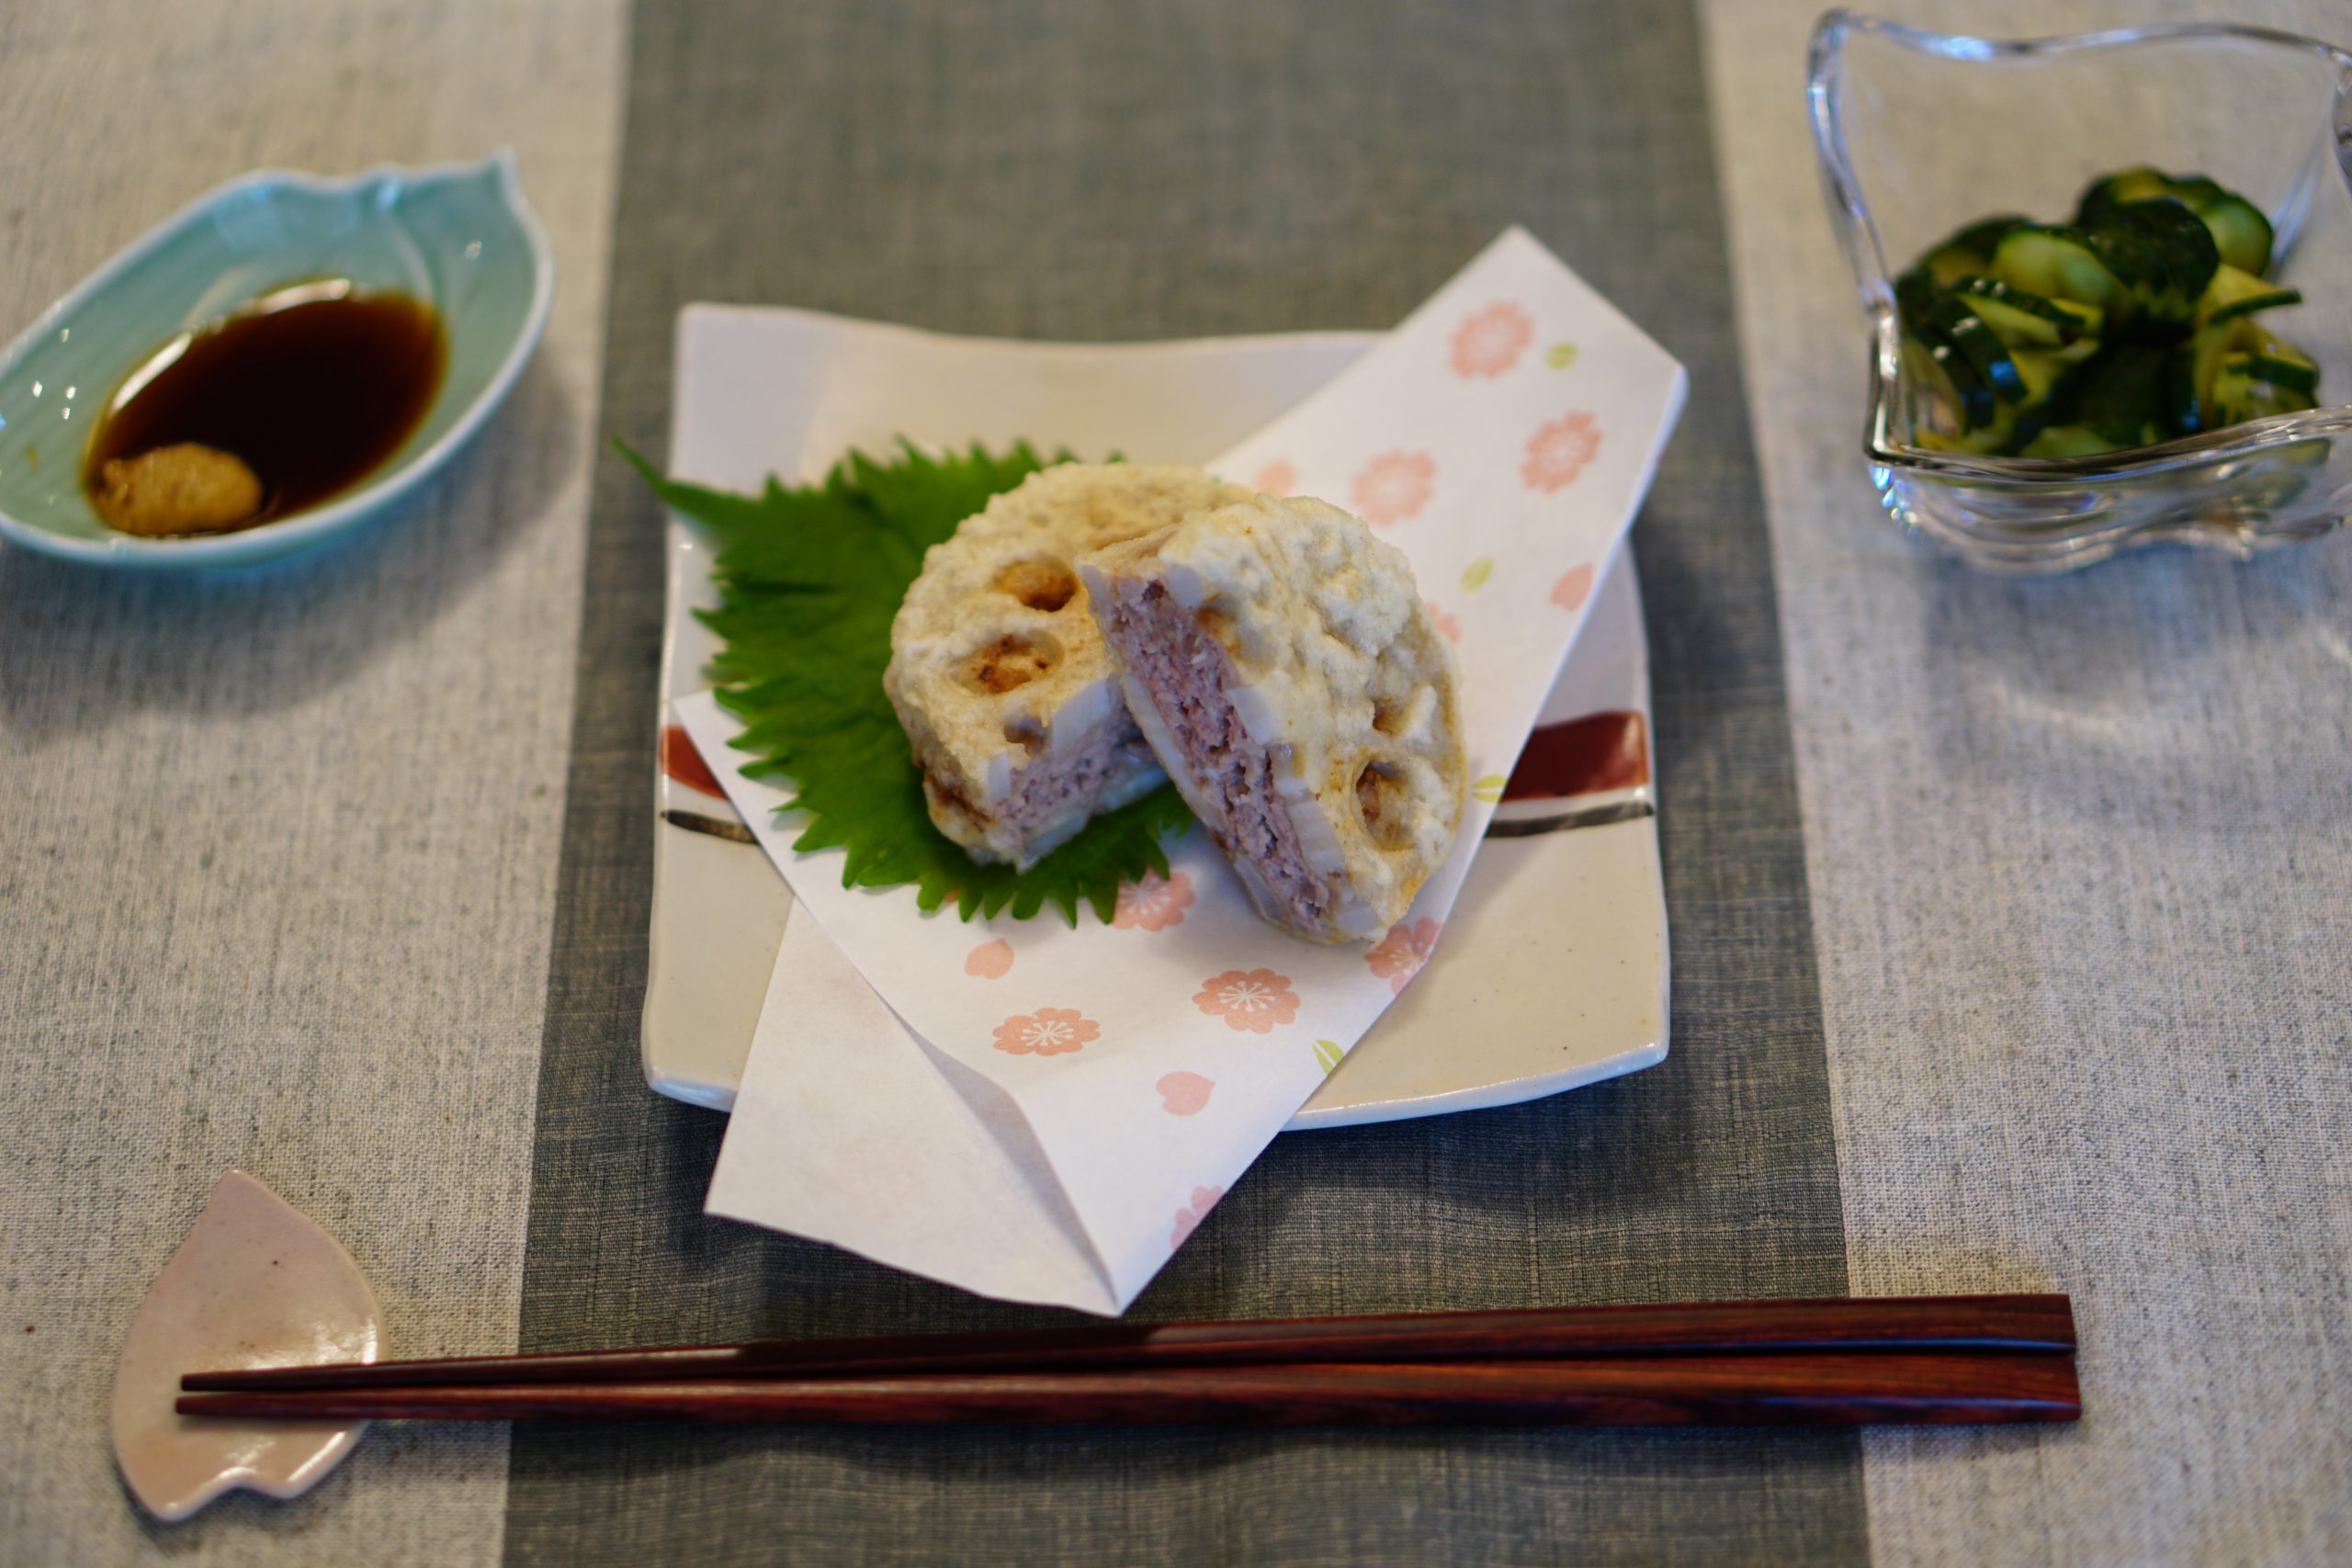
x=280 y=844
x=2080 y=858
x=1062 y=170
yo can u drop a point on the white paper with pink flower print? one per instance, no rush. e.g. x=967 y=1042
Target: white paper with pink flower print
x=1502 y=436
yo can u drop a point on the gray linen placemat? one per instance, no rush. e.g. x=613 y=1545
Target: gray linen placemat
x=2082 y=864
x=278 y=846
x=1216 y=167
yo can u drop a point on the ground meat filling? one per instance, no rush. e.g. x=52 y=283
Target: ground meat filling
x=1050 y=789
x=1188 y=676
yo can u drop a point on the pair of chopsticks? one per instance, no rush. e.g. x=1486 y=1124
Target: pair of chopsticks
x=1833 y=1362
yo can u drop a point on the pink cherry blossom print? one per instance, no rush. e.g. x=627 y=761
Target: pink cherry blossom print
x=1277 y=478
x=1489 y=341
x=1188 y=1217
x=1402 y=953
x=990 y=961
x=1155 y=903
x=1183 y=1094
x=1573 y=587
x=1447 y=626
x=1558 y=453
x=1253 y=1000
x=1392 y=486
x=1048 y=1031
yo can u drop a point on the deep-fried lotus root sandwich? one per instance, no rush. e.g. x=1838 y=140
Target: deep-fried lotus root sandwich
x=999 y=674
x=1285 y=668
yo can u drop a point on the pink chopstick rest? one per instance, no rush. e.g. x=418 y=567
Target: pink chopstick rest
x=253 y=1283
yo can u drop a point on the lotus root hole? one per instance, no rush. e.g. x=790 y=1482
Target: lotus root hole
x=1026 y=733
x=1044 y=585
x=1380 y=796
x=1009 y=661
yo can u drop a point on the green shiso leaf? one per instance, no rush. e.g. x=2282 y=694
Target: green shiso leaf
x=809 y=579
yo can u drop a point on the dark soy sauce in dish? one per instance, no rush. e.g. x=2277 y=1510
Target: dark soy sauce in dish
x=311 y=388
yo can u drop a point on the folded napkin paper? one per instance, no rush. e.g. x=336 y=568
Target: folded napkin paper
x=1044 y=1114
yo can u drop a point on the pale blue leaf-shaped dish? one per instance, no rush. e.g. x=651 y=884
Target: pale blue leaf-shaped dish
x=461 y=237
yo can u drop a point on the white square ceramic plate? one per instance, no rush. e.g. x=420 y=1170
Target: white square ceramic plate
x=1554 y=972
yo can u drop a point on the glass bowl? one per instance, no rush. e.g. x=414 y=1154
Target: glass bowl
x=1919 y=133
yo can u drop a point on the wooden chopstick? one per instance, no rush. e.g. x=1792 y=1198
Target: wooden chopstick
x=1881 y=1324
x=1837 y=1388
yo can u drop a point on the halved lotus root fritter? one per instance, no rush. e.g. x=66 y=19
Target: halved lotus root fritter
x=1283 y=668
x=999 y=673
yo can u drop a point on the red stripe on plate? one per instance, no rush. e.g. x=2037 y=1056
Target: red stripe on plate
x=684 y=763
x=1584 y=756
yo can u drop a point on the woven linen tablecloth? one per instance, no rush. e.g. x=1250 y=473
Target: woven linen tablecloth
x=2009 y=919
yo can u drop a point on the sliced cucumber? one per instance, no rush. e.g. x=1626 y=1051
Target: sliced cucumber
x=2298 y=376
x=2238 y=398
x=2140 y=321
x=2042 y=369
x=2234 y=293
x=2057 y=263
x=1915 y=293
x=2115 y=189
x=2120 y=395
x=1949 y=321
x=2187 y=245
x=2163 y=254
x=2066 y=441
x=2192 y=369
x=1965 y=401
x=1980 y=238
x=2140 y=185
x=2241 y=384
x=2022 y=317
x=2184 y=392
x=2241 y=231
x=1968 y=252
x=1971 y=394
x=2013 y=425
x=2249 y=336
x=2271 y=299
x=2238 y=227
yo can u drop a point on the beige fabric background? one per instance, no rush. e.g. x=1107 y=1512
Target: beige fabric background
x=249 y=914
x=2082 y=881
